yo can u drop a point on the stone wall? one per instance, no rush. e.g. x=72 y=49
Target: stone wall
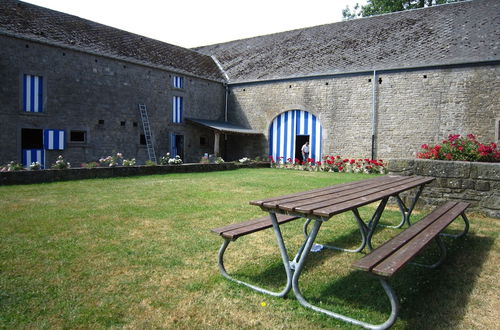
x=43 y=176
x=413 y=107
x=100 y=95
x=476 y=183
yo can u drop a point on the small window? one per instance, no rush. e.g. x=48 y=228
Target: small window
x=135 y=124
x=203 y=141
x=178 y=82
x=77 y=136
x=142 y=139
x=32 y=93
x=122 y=123
x=101 y=121
x=177 y=107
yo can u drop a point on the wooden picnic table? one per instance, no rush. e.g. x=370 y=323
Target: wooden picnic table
x=319 y=205
x=322 y=204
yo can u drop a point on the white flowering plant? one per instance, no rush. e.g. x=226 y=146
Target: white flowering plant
x=12 y=166
x=128 y=162
x=61 y=164
x=175 y=161
x=245 y=160
x=112 y=161
x=35 y=166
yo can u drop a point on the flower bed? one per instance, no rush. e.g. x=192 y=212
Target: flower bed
x=457 y=147
x=332 y=164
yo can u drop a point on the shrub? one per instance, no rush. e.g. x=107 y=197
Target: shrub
x=461 y=148
x=90 y=165
x=111 y=161
x=128 y=162
x=35 y=166
x=12 y=166
x=61 y=164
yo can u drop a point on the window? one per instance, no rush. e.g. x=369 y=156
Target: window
x=77 y=136
x=32 y=93
x=178 y=82
x=53 y=139
x=177 y=104
x=142 y=139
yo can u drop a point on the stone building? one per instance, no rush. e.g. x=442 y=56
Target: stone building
x=373 y=87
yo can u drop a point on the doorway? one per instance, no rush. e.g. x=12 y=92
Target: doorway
x=177 y=146
x=300 y=140
x=32 y=147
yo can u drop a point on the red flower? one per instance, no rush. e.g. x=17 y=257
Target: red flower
x=425 y=146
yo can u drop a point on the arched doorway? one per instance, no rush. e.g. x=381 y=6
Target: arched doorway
x=289 y=131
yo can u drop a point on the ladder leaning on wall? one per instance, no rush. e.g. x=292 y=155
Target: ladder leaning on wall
x=148 y=134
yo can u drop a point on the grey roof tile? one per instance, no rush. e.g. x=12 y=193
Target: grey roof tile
x=448 y=34
x=26 y=20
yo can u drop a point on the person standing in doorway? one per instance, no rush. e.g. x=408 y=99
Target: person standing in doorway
x=305 y=151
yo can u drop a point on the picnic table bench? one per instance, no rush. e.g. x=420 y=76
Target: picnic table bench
x=320 y=205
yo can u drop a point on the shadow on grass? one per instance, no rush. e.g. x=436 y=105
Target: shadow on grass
x=428 y=298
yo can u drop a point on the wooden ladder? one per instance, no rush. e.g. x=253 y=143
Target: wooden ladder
x=148 y=134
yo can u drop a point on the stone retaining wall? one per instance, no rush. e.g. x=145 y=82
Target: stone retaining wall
x=477 y=183
x=42 y=176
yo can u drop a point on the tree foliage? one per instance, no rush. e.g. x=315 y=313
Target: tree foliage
x=377 y=7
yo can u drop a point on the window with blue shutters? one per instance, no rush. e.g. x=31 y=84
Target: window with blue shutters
x=178 y=82
x=54 y=139
x=32 y=93
x=177 y=107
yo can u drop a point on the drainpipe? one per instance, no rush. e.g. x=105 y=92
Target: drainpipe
x=374 y=112
x=225 y=107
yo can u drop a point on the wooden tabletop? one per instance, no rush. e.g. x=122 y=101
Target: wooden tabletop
x=326 y=202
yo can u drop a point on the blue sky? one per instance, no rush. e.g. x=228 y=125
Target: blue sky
x=190 y=23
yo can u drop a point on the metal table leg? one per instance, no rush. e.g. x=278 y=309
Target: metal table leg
x=296 y=290
x=366 y=230
x=405 y=211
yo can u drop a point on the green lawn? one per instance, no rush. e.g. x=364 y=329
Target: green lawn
x=138 y=253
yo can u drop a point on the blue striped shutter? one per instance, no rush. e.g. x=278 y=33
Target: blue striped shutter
x=178 y=82
x=177 y=105
x=33 y=155
x=32 y=93
x=284 y=129
x=54 y=139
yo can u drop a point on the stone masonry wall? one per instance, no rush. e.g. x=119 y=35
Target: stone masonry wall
x=476 y=183
x=413 y=107
x=80 y=89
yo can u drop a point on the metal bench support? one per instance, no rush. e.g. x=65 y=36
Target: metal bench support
x=296 y=290
x=284 y=257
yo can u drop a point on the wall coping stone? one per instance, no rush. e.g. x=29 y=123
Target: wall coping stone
x=50 y=175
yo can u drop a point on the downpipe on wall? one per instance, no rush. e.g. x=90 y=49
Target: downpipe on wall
x=374 y=113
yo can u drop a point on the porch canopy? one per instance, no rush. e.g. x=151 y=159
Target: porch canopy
x=222 y=127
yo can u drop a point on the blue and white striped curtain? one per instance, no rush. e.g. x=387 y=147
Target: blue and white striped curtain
x=177 y=109
x=178 y=82
x=285 y=128
x=32 y=93
x=33 y=155
x=53 y=139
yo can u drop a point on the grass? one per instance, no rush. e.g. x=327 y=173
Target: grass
x=138 y=253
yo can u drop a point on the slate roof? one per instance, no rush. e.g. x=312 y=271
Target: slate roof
x=461 y=32
x=41 y=24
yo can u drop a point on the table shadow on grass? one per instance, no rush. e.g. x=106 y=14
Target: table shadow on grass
x=428 y=298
